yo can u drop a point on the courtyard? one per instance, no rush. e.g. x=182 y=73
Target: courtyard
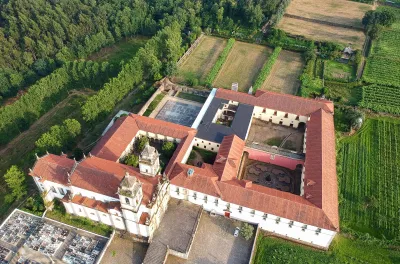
x=124 y=250
x=177 y=110
x=272 y=176
x=266 y=133
x=214 y=243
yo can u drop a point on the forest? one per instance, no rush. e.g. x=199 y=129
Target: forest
x=37 y=36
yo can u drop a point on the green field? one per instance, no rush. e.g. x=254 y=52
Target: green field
x=337 y=71
x=343 y=93
x=342 y=250
x=153 y=104
x=381 y=98
x=192 y=97
x=370 y=179
x=383 y=65
x=123 y=50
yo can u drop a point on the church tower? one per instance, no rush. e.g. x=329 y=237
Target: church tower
x=149 y=162
x=130 y=193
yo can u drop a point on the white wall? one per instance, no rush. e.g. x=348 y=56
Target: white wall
x=287 y=119
x=268 y=222
x=207 y=145
x=97 y=196
x=51 y=195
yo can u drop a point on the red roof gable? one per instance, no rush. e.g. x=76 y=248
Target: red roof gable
x=115 y=141
x=320 y=180
x=104 y=177
x=277 y=101
x=53 y=168
x=228 y=159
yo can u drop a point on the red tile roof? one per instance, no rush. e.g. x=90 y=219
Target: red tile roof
x=203 y=180
x=118 y=137
x=228 y=159
x=180 y=151
x=274 y=202
x=104 y=177
x=277 y=101
x=53 y=168
x=320 y=180
x=90 y=203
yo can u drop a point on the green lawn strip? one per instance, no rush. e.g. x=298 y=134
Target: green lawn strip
x=337 y=71
x=220 y=61
x=123 y=50
x=343 y=250
x=80 y=222
x=266 y=69
x=154 y=104
x=192 y=97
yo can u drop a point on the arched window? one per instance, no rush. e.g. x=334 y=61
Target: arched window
x=127 y=200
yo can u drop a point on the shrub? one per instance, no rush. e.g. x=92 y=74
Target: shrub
x=247 y=231
x=266 y=69
x=168 y=148
x=132 y=160
x=141 y=143
x=220 y=61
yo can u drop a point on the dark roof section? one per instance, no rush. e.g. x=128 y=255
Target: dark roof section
x=215 y=132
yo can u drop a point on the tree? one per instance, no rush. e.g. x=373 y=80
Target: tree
x=15 y=180
x=247 y=231
x=168 y=148
x=141 y=143
x=132 y=160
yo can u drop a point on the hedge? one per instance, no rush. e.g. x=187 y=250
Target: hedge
x=220 y=61
x=266 y=69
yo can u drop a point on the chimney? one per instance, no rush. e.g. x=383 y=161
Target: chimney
x=310 y=182
x=248 y=184
x=190 y=172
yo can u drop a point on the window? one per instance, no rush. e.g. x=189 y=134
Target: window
x=265 y=217
x=275 y=113
x=61 y=191
x=253 y=213
x=228 y=206
x=286 y=115
x=264 y=110
x=212 y=148
x=197 y=144
x=205 y=147
x=216 y=202
x=297 y=117
x=318 y=231
x=291 y=224
x=217 y=145
x=209 y=143
x=195 y=139
x=278 y=219
x=303 y=228
x=53 y=189
x=240 y=209
x=92 y=213
x=202 y=141
x=177 y=190
x=127 y=201
x=79 y=210
x=205 y=198
x=195 y=196
x=104 y=215
x=147 y=170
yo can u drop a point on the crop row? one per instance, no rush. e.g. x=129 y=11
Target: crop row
x=382 y=70
x=266 y=69
x=381 y=98
x=370 y=181
x=220 y=61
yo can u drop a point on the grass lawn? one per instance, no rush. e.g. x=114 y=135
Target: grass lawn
x=337 y=71
x=284 y=76
x=370 y=177
x=344 y=93
x=122 y=50
x=342 y=250
x=201 y=60
x=243 y=64
x=59 y=214
x=153 y=104
x=192 y=97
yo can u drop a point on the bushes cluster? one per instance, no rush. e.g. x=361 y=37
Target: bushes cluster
x=266 y=69
x=280 y=12
x=220 y=61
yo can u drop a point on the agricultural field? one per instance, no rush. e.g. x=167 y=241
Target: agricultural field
x=123 y=50
x=343 y=93
x=383 y=65
x=201 y=60
x=370 y=178
x=343 y=250
x=243 y=64
x=337 y=71
x=284 y=76
x=342 y=12
x=381 y=98
x=320 y=32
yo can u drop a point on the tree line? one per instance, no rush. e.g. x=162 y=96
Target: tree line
x=36 y=36
x=47 y=92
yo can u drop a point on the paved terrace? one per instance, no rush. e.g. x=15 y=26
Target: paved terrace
x=176 y=231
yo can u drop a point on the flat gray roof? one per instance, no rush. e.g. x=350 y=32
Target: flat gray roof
x=216 y=132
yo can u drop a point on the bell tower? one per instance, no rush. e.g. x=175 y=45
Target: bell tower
x=149 y=161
